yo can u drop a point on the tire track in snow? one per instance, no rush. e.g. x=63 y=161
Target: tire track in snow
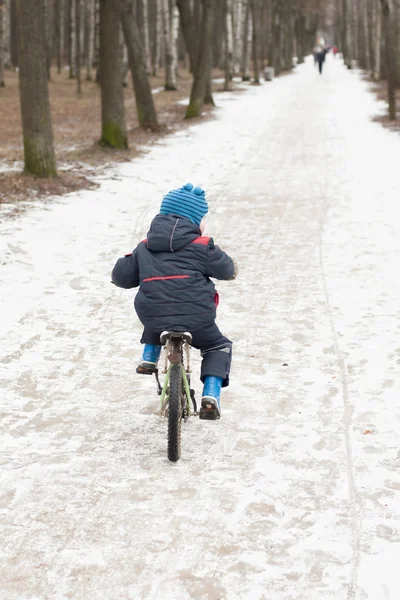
x=348 y=411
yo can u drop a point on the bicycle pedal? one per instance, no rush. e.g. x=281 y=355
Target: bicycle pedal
x=146 y=369
x=209 y=414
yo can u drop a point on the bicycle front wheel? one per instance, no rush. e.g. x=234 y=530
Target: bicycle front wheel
x=175 y=413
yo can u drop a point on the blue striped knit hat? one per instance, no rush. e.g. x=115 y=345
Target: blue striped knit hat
x=188 y=201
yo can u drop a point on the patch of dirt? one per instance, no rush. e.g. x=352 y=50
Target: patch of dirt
x=380 y=90
x=15 y=187
x=76 y=127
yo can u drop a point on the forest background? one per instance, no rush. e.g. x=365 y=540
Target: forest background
x=84 y=83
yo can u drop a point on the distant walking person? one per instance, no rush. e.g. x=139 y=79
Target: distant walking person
x=319 y=57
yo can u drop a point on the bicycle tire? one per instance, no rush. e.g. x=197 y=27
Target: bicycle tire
x=175 y=413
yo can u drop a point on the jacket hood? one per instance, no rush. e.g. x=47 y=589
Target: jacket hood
x=170 y=233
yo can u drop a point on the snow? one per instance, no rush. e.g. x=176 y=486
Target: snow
x=6 y=168
x=294 y=494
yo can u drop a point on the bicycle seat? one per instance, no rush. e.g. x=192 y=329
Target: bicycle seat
x=167 y=335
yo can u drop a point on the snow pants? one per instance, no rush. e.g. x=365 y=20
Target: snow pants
x=216 y=350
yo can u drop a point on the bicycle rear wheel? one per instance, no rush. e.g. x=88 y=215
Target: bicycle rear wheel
x=175 y=413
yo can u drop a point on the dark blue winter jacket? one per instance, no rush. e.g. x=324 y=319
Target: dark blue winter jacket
x=173 y=267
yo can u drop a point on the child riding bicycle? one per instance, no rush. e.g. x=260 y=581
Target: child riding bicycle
x=172 y=268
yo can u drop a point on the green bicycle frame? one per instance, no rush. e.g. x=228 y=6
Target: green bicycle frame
x=164 y=396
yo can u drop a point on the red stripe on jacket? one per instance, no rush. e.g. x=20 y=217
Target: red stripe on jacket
x=167 y=277
x=201 y=240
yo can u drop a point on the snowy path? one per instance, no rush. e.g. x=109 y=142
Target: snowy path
x=294 y=494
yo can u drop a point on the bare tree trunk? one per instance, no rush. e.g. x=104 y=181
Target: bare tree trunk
x=208 y=96
x=124 y=58
x=370 y=28
x=360 y=33
x=169 y=53
x=396 y=17
x=157 y=37
x=276 y=53
x=113 y=132
x=7 y=34
x=56 y=34
x=96 y=63
x=78 y=45
x=91 y=23
x=219 y=40
x=48 y=29
x=367 y=56
x=390 y=56
x=378 y=40
x=247 y=46
x=228 y=44
x=137 y=62
x=34 y=96
x=13 y=34
x=61 y=39
x=300 y=35
x=166 y=24
x=188 y=30
x=72 y=39
x=82 y=27
x=238 y=35
x=354 y=29
x=348 y=41
x=288 y=35
x=174 y=38
x=5 y=54
x=197 y=14
x=263 y=37
x=146 y=34
x=2 y=41
x=203 y=67
x=256 y=51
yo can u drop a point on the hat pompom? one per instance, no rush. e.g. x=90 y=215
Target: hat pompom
x=188 y=201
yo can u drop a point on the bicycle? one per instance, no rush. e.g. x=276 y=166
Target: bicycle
x=177 y=399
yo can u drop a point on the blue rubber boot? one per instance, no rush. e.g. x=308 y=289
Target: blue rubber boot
x=150 y=356
x=210 y=401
